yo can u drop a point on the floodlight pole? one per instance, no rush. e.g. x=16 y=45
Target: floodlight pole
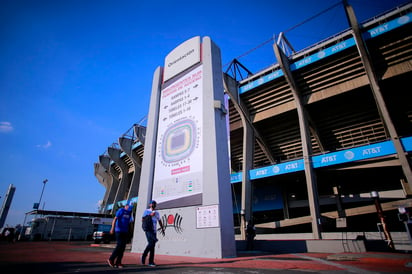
x=41 y=195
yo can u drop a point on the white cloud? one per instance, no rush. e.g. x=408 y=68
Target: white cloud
x=6 y=127
x=45 y=146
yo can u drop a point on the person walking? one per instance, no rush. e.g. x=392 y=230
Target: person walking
x=120 y=227
x=250 y=235
x=151 y=233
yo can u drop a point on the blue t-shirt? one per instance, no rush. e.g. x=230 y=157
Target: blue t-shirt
x=124 y=218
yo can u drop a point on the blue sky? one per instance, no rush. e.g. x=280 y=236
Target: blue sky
x=75 y=75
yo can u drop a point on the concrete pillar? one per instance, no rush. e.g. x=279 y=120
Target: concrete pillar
x=380 y=102
x=311 y=183
x=246 y=211
x=247 y=190
x=124 y=185
x=6 y=204
x=126 y=145
x=140 y=133
x=104 y=179
x=105 y=162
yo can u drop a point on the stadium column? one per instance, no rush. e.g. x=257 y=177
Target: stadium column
x=115 y=155
x=105 y=179
x=105 y=161
x=127 y=146
x=311 y=183
x=246 y=211
x=6 y=204
x=374 y=84
x=140 y=133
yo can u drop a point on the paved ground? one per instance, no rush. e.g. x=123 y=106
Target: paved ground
x=82 y=257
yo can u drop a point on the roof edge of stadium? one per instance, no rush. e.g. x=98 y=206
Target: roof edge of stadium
x=329 y=40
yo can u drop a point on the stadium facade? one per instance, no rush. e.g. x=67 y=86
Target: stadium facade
x=319 y=142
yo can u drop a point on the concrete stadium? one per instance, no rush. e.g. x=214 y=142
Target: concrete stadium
x=319 y=142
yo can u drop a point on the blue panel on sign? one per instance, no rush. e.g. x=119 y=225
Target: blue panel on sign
x=333 y=158
x=260 y=81
x=236 y=177
x=354 y=154
x=407 y=143
x=393 y=24
x=323 y=53
x=287 y=167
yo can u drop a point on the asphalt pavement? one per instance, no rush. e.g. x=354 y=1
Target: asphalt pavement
x=84 y=257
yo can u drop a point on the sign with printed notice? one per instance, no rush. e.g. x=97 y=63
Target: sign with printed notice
x=185 y=166
x=207 y=216
x=178 y=166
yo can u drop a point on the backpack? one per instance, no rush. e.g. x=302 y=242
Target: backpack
x=147 y=223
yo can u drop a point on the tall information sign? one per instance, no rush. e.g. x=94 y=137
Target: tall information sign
x=186 y=164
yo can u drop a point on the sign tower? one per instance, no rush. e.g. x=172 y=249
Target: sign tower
x=186 y=164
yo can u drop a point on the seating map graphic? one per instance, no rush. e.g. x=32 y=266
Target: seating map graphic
x=178 y=141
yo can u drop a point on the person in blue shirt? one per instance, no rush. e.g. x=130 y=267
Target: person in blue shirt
x=120 y=227
x=151 y=234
